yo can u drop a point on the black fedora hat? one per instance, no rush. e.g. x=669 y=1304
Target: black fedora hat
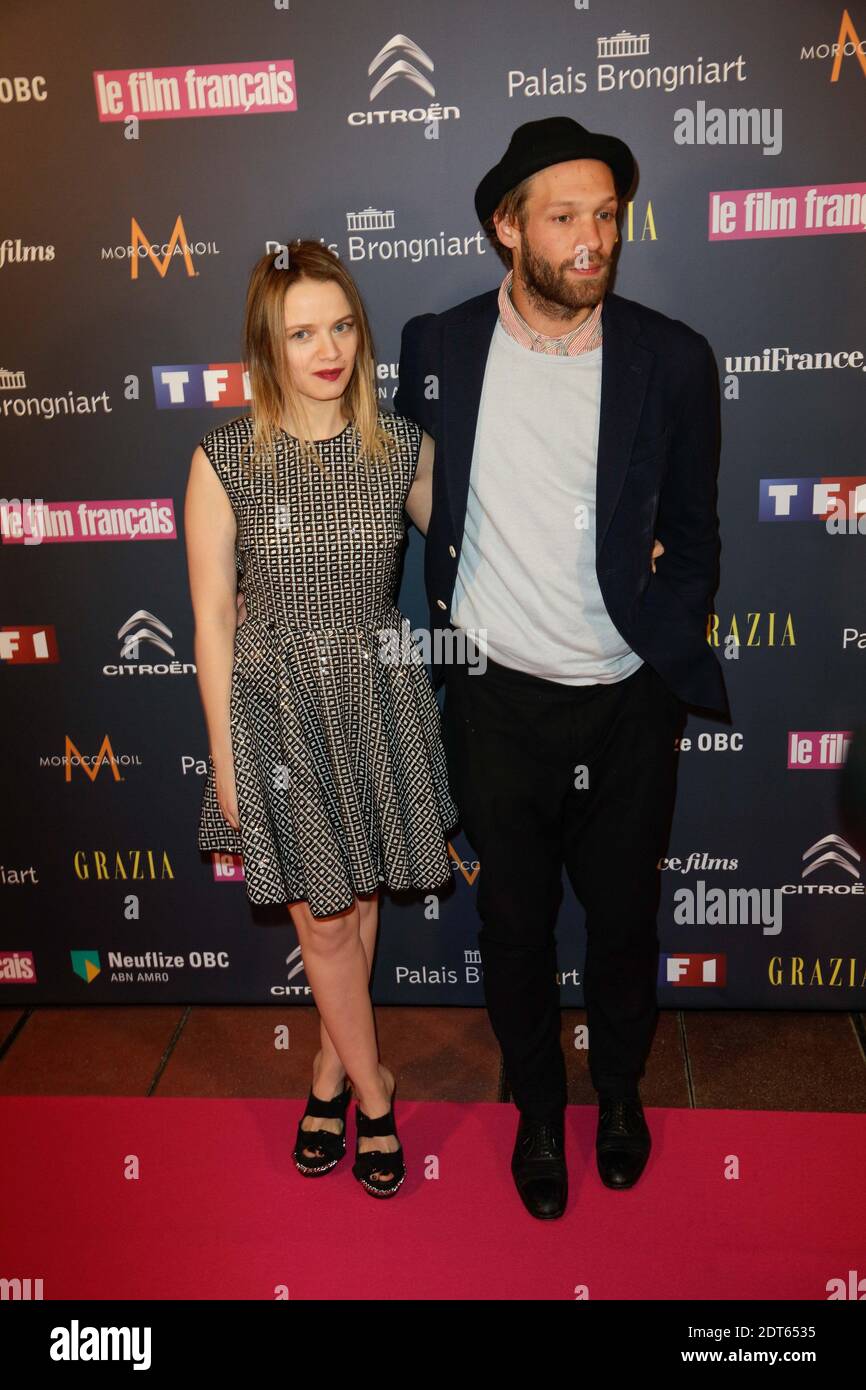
x=553 y=140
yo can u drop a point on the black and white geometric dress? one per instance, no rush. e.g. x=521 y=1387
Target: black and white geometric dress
x=336 y=735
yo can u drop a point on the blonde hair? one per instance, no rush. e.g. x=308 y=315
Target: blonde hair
x=273 y=392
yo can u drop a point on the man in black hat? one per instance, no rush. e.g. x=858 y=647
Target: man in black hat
x=572 y=427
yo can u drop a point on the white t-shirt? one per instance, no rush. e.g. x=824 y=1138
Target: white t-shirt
x=527 y=564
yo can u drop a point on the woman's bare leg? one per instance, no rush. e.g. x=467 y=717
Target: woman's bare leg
x=329 y=1073
x=337 y=952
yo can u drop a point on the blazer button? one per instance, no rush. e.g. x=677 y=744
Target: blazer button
x=452 y=552
x=441 y=604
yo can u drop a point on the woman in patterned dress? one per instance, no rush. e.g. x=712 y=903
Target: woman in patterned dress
x=327 y=771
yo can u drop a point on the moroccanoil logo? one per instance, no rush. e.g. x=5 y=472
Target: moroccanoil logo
x=142 y=247
x=469 y=868
x=86 y=964
x=160 y=254
x=847 y=45
x=89 y=764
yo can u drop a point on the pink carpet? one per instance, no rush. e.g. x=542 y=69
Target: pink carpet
x=218 y=1210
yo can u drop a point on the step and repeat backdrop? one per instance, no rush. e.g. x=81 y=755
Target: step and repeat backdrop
x=151 y=156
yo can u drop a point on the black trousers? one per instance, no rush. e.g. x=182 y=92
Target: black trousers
x=516 y=747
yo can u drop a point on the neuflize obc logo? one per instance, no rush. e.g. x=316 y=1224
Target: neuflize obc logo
x=86 y=964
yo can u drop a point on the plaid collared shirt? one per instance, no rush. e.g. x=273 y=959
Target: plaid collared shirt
x=582 y=339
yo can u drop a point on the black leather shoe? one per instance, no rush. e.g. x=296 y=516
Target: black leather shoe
x=538 y=1166
x=623 y=1142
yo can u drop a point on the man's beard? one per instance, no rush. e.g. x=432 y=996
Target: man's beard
x=556 y=293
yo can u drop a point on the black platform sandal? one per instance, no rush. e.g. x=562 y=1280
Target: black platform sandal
x=367 y=1165
x=331 y=1147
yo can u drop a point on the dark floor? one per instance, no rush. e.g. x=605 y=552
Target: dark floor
x=722 y=1059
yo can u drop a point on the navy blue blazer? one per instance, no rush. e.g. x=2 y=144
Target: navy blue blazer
x=658 y=450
